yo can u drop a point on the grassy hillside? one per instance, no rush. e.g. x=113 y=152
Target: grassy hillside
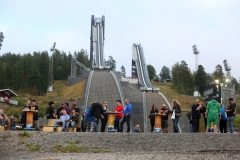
x=171 y=94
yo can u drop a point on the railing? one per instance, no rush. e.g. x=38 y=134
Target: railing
x=145 y=112
x=119 y=86
x=149 y=84
x=88 y=89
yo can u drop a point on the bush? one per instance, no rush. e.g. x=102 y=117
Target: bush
x=42 y=111
x=14 y=112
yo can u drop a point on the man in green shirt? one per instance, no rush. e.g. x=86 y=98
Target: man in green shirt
x=213 y=110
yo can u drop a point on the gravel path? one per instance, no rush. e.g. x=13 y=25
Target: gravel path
x=119 y=146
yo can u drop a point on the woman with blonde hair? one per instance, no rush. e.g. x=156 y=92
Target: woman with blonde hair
x=176 y=106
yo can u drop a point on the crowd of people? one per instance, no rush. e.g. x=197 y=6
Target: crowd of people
x=69 y=117
x=214 y=115
x=6 y=121
x=175 y=112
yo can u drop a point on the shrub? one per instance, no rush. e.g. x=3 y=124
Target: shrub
x=42 y=111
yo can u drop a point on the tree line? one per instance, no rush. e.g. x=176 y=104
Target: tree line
x=185 y=82
x=30 y=71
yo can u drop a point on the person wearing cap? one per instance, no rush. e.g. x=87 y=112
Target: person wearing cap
x=119 y=108
x=213 y=110
x=231 y=111
x=196 y=107
x=50 y=110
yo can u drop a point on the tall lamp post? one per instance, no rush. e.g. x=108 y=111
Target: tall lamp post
x=224 y=88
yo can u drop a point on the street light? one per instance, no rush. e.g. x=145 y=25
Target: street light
x=217 y=83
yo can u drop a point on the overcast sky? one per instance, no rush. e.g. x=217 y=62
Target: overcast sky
x=167 y=29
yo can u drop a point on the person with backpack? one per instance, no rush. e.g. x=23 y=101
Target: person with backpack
x=223 y=120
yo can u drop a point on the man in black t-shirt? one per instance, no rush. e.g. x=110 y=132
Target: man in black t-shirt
x=231 y=111
x=196 y=107
x=164 y=118
x=35 y=116
x=59 y=111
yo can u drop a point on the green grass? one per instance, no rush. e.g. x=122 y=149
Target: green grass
x=24 y=134
x=236 y=122
x=71 y=148
x=33 y=147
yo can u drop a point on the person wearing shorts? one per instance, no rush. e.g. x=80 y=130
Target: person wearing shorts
x=213 y=110
x=164 y=118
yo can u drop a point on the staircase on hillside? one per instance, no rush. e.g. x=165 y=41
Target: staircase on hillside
x=104 y=88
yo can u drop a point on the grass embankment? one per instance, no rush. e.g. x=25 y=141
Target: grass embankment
x=186 y=102
x=171 y=94
x=61 y=93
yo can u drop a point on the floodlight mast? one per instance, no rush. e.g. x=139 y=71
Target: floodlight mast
x=227 y=69
x=50 y=73
x=196 y=53
x=1 y=39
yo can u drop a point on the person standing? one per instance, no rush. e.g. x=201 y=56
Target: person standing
x=50 y=110
x=212 y=110
x=97 y=113
x=165 y=119
x=104 y=118
x=119 y=108
x=231 y=111
x=203 y=111
x=152 y=116
x=24 y=114
x=89 y=119
x=177 y=110
x=223 y=120
x=127 y=112
x=196 y=107
x=35 y=115
x=83 y=122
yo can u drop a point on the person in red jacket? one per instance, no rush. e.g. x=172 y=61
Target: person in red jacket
x=119 y=108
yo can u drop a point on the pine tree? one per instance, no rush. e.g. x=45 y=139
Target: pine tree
x=201 y=79
x=123 y=70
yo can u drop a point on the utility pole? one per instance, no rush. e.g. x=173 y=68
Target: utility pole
x=50 y=73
